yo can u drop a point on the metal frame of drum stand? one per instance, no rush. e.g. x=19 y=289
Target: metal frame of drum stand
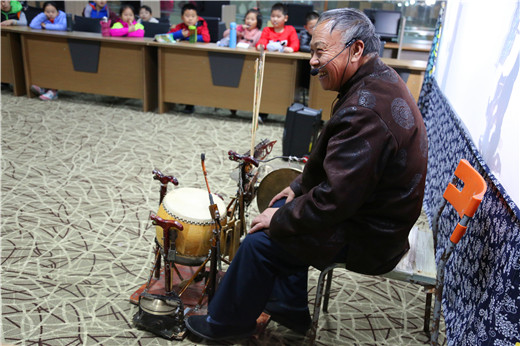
x=234 y=230
x=168 y=253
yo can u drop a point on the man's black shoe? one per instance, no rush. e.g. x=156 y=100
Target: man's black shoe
x=199 y=326
x=297 y=320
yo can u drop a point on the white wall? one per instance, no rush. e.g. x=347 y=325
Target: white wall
x=478 y=71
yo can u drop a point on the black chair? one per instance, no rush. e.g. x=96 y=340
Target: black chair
x=152 y=29
x=216 y=28
x=86 y=24
x=31 y=12
x=210 y=8
x=165 y=19
x=297 y=14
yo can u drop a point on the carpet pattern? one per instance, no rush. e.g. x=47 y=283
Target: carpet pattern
x=76 y=240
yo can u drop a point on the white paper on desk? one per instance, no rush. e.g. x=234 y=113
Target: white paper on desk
x=164 y=38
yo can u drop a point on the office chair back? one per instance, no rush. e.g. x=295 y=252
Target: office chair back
x=86 y=24
x=152 y=29
x=31 y=12
x=216 y=28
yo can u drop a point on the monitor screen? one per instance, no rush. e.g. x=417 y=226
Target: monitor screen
x=385 y=22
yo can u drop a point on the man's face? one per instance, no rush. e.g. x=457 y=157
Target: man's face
x=6 y=5
x=325 y=46
x=190 y=17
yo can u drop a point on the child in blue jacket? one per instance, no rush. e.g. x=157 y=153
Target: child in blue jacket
x=50 y=19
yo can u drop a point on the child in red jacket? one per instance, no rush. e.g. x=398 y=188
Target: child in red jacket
x=190 y=17
x=281 y=37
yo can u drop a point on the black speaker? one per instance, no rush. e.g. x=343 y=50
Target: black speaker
x=302 y=125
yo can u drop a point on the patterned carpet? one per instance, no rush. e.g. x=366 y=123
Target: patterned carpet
x=76 y=240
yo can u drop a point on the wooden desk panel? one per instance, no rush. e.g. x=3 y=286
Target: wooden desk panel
x=12 y=64
x=126 y=68
x=319 y=98
x=185 y=77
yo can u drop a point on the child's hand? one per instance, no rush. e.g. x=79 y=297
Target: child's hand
x=288 y=50
x=131 y=28
x=185 y=33
x=43 y=25
x=260 y=46
x=8 y=22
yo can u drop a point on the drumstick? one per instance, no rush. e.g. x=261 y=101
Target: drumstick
x=259 y=81
x=255 y=91
x=202 y=159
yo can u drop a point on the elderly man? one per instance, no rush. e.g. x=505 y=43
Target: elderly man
x=359 y=195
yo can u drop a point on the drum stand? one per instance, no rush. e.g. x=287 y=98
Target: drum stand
x=162 y=314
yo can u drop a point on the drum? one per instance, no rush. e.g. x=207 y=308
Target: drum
x=190 y=207
x=274 y=182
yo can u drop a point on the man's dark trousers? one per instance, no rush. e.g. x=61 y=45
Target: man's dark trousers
x=260 y=271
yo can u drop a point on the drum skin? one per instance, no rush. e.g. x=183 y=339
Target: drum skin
x=190 y=207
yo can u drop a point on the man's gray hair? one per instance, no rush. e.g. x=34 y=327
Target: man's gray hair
x=351 y=23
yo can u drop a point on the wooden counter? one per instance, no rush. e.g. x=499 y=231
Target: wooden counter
x=161 y=74
x=408 y=51
x=207 y=75
x=88 y=62
x=12 y=64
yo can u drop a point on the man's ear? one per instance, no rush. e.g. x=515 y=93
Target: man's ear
x=356 y=50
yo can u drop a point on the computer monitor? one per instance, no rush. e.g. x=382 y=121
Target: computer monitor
x=86 y=24
x=386 y=23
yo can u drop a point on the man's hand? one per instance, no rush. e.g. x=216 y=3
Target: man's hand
x=263 y=220
x=287 y=192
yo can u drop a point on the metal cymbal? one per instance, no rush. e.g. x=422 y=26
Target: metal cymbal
x=157 y=306
x=273 y=183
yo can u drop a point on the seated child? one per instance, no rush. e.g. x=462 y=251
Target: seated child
x=99 y=9
x=248 y=33
x=12 y=13
x=126 y=25
x=190 y=17
x=306 y=35
x=281 y=37
x=50 y=19
x=145 y=15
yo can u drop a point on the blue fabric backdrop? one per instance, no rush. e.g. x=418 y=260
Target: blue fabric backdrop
x=481 y=300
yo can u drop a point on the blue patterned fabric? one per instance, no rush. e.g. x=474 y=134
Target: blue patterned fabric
x=481 y=300
x=432 y=58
